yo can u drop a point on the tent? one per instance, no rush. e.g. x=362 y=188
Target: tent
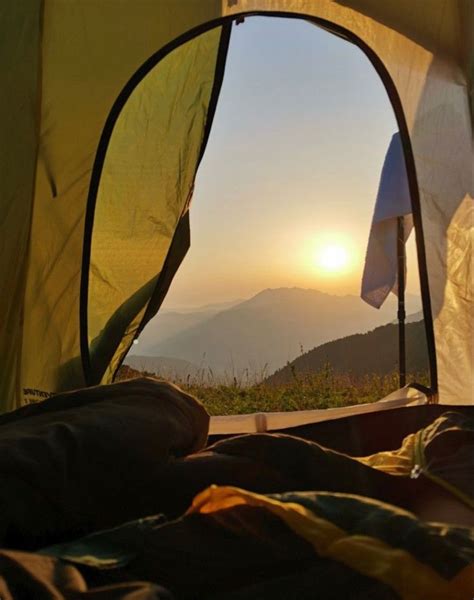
x=105 y=111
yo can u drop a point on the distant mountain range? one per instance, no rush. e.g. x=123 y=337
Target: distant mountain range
x=169 y=323
x=361 y=354
x=263 y=333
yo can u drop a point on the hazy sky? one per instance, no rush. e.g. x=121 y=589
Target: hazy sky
x=292 y=164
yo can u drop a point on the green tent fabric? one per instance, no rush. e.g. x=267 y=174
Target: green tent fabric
x=104 y=115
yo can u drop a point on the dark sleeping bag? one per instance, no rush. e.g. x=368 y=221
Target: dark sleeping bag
x=234 y=543
x=82 y=461
x=240 y=545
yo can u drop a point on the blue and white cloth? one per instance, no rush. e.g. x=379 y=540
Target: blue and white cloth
x=393 y=201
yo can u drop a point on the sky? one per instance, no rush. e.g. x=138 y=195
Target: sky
x=292 y=166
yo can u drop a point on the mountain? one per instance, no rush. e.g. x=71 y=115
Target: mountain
x=265 y=332
x=413 y=318
x=168 y=368
x=169 y=323
x=214 y=307
x=362 y=354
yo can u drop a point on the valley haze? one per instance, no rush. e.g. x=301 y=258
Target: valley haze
x=259 y=335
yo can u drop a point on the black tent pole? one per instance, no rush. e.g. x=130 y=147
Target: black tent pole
x=401 y=300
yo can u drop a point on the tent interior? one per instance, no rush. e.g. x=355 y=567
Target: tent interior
x=116 y=489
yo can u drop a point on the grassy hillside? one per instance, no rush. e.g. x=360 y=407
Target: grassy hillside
x=375 y=352
x=168 y=368
x=324 y=389
x=352 y=370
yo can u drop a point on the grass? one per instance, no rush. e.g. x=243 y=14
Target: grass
x=324 y=389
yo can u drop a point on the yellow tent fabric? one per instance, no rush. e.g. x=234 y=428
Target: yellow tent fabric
x=64 y=67
x=146 y=182
x=86 y=52
x=19 y=65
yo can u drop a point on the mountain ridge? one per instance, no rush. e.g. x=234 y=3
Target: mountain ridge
x=269 y=329
x=374 y=352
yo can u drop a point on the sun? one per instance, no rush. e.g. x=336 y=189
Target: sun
x=332 y=258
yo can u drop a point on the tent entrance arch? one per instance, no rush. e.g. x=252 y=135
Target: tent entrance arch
x=94 y=374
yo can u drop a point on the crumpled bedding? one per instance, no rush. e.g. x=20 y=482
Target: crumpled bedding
x=347 y=531
x=237 y=544
x=442 y=452
x=81 y=461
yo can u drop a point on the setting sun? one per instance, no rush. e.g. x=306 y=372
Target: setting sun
x=332 y=258
x=332 y=261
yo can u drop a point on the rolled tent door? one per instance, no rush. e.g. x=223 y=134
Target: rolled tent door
x=141 y=189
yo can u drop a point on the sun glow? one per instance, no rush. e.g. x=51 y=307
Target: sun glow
x=332 y=262
x=332 y=258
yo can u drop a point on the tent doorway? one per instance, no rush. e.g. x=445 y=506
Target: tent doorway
x=291 y=169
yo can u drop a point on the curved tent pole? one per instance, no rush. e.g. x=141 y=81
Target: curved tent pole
x=402 y=127
x=401 y=263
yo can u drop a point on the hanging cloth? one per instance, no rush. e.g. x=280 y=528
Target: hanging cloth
x=393 y=201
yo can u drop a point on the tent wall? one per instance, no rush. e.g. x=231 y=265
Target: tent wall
x=65 y=64
x=89 y=50
x=19 y=120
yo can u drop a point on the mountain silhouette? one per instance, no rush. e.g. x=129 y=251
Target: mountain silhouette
x=375 y=352
x=272 y=328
